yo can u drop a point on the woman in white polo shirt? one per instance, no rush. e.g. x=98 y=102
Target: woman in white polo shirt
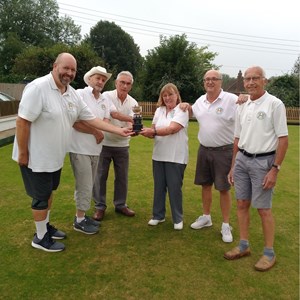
x=170 y=155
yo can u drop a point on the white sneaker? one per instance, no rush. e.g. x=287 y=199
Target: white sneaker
x=202 y=221
x=153 y=222
x=178 y=226
x=226 y=233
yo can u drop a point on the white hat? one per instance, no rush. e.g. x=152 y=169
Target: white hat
x=96 y=70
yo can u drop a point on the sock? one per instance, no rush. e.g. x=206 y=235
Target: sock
x=48 y=216
x=78 y=220
x=269 y=252
x=244 y=244
x=41 y=228
x=207 y=216
x=225 y=224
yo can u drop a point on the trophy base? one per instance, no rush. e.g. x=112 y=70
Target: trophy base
x=137 y=128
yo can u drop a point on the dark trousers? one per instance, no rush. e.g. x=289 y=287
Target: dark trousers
x=168 y=177
x=120 y=158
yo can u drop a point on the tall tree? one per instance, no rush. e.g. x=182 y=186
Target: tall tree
x=286 y=88
x=178 y=61
x=26 y=23
x=35 y=61
x=36 y=22
x=116 y=47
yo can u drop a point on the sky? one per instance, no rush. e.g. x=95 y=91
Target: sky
x=243 y=33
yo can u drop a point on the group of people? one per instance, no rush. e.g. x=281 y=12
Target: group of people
x=241 y=142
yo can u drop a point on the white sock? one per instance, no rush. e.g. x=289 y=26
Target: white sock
x=207 y=216
x=78 y=220
x=41 y=228
x=48 y=216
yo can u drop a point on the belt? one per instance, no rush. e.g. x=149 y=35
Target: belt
x=225 y=147
x=256 y=155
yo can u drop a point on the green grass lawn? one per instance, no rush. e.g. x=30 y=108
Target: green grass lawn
x=129 y=259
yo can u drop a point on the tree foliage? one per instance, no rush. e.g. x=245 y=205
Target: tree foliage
x=286 y=88
x=37 y=23
x=35 y=61
x=26 y=23
x=116 y=47
x=178 y=61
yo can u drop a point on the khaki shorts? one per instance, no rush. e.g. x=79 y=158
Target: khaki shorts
x=249 y=173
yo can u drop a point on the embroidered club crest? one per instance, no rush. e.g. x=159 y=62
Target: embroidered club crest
x=219 y=110
x=261 y=115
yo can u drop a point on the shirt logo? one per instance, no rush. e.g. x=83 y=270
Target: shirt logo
x=71 y=106
x=219 y=110
x=103 y=107
x=261 y=115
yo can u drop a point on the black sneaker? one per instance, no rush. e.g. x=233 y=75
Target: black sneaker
x=92 y=221
x=55 y=233
x=89 y=220
x=85 y=227
x=47 y=243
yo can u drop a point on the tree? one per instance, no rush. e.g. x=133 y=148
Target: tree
x=286 y=88
x=9 y=49
x=116 y=47
x=36 y=22
x=35 y=61
x=178 y=61
x=26 y=23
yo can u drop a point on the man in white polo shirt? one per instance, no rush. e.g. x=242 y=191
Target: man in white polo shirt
x=116 y=150
x=260 y=145
x=215 y=113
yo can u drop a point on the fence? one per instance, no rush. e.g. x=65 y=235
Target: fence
x=148 y=108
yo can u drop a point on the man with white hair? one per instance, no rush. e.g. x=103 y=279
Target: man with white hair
x=117 y=150
x=86 y=146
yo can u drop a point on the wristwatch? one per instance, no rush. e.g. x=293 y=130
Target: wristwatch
x=276 y=166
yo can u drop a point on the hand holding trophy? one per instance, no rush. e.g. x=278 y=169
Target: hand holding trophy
x=137 y=119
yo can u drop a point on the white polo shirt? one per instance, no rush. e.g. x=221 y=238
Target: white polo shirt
x=125 y=107
x=216 y=119
x=84 y=143
x=173 y=147
x=52 y=116
x=260 y=123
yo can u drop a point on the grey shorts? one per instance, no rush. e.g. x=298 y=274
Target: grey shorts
x=213 y=166
x=248 y=177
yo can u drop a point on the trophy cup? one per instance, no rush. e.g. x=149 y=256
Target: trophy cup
x=137 y=119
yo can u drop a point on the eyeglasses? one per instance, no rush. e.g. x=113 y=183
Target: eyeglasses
x=213 y=79
x=254 y=78
x=125 y=82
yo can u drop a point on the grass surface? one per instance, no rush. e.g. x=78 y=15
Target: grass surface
x=129 y=259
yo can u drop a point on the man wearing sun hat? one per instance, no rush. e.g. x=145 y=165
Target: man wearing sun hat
x=86 y=146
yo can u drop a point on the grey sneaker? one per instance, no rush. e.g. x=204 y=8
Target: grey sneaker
x=55 y=233
x=47 y=243
x=201 y=222
x=90 y=221
x=85 y=227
